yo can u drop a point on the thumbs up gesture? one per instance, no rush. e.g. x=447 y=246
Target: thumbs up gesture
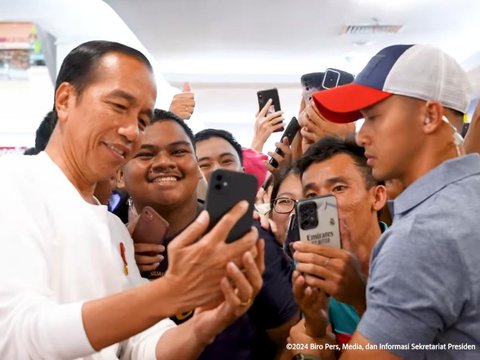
x=183 y=103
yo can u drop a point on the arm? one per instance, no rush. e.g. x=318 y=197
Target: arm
x=188 y=340
x=265 y=124
x=192 y=280
x=334 y=271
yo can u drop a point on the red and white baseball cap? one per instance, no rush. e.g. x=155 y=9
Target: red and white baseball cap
x=418 y=71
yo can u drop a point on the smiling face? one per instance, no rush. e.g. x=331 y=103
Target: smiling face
x=103 y=124
x=340 y=176
x=214 y=153
x=164 y=171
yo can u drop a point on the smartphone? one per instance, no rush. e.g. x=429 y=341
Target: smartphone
x=335 y=77
x=290 y=132
x=292 y=235
x=263 y=96
x=318 y=220
x=225 y=189
x=311 y=83
x=150 y=228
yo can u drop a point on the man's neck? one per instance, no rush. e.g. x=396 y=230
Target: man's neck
x=363 y=245
x=85 y=187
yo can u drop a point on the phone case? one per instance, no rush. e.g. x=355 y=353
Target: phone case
x=150 y=228
x=318 y=220
x=264 y=95
x=290 y=132
x=225 y=189
x=311 y=83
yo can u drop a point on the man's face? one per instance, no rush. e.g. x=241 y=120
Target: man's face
x=164 y=171
x=341 y=177
x=102 y=125
x=392 y=137
x=215 y=153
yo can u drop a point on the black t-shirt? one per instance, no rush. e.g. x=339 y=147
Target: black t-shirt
x=246 y=338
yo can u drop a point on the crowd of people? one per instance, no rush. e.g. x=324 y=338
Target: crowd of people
x=404 y=284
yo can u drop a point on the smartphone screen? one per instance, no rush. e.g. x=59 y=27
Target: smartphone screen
x=318 y=220
x=225 y=189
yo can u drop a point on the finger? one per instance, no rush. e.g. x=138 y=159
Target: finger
x=298 y=286
x=193 y=232
x=286 y=142
x=243 y=288
x=275 y=116
x=316 y=270
x=327 y=251
x=186 y=87
x=284 y=147
x=321 y=284
x=148 y=259
x=221 y=230
x=240 y=246
x=144 y=247
x=276 y=126
x=276 y=156
x=269 y=167
x=264 y=110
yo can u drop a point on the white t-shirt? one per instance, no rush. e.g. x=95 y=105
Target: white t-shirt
x=56 y=252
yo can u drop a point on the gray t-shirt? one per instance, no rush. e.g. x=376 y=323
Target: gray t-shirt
x=423 y=296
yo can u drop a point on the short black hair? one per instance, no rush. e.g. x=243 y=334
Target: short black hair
x=79 y=66
x=278 y=179
x=45 y=130
x=223 y=134
x=330 y=146
x=160 y=115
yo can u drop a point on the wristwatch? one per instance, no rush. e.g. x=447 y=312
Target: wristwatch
x=306 y=357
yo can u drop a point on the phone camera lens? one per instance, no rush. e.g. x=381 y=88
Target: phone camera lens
x=218 y=186
x=219 y=177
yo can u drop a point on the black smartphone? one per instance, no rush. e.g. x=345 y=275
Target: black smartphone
x=318 y=220
x=225 y=189
x=150 y=227
x=290 y=132
x=264 y=95
x=292 y=235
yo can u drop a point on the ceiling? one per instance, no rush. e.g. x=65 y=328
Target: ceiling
x=275 y=41
x=230 y=49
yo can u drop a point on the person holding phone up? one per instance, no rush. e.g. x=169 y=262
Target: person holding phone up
x=338 y=167
x=69 y=287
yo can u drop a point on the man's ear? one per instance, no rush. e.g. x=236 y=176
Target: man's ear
x=120 y=179
x=64 y=98
x=433 y=117
x=379 y=197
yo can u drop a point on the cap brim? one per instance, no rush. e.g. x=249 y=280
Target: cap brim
x=343 y=104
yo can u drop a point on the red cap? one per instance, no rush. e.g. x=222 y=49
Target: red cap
x=343 y=104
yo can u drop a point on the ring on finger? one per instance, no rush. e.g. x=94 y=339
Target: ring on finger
x=246 y=303
x=327 y=262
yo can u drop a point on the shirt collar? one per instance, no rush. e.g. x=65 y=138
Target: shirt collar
x=446 y=173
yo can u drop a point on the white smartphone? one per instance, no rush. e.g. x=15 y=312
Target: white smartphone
x=318 y=220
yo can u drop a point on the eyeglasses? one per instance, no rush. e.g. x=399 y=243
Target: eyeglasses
x=284 y=205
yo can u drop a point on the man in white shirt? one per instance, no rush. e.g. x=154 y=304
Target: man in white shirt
x=69 y=286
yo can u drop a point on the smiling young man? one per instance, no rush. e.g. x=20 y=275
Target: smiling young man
x=163 y=174
x=423 y=296
x=69 y=286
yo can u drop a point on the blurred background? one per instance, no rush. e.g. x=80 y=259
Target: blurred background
x=227 y=50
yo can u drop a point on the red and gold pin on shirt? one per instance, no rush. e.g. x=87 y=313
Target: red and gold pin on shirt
x=124 y=258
